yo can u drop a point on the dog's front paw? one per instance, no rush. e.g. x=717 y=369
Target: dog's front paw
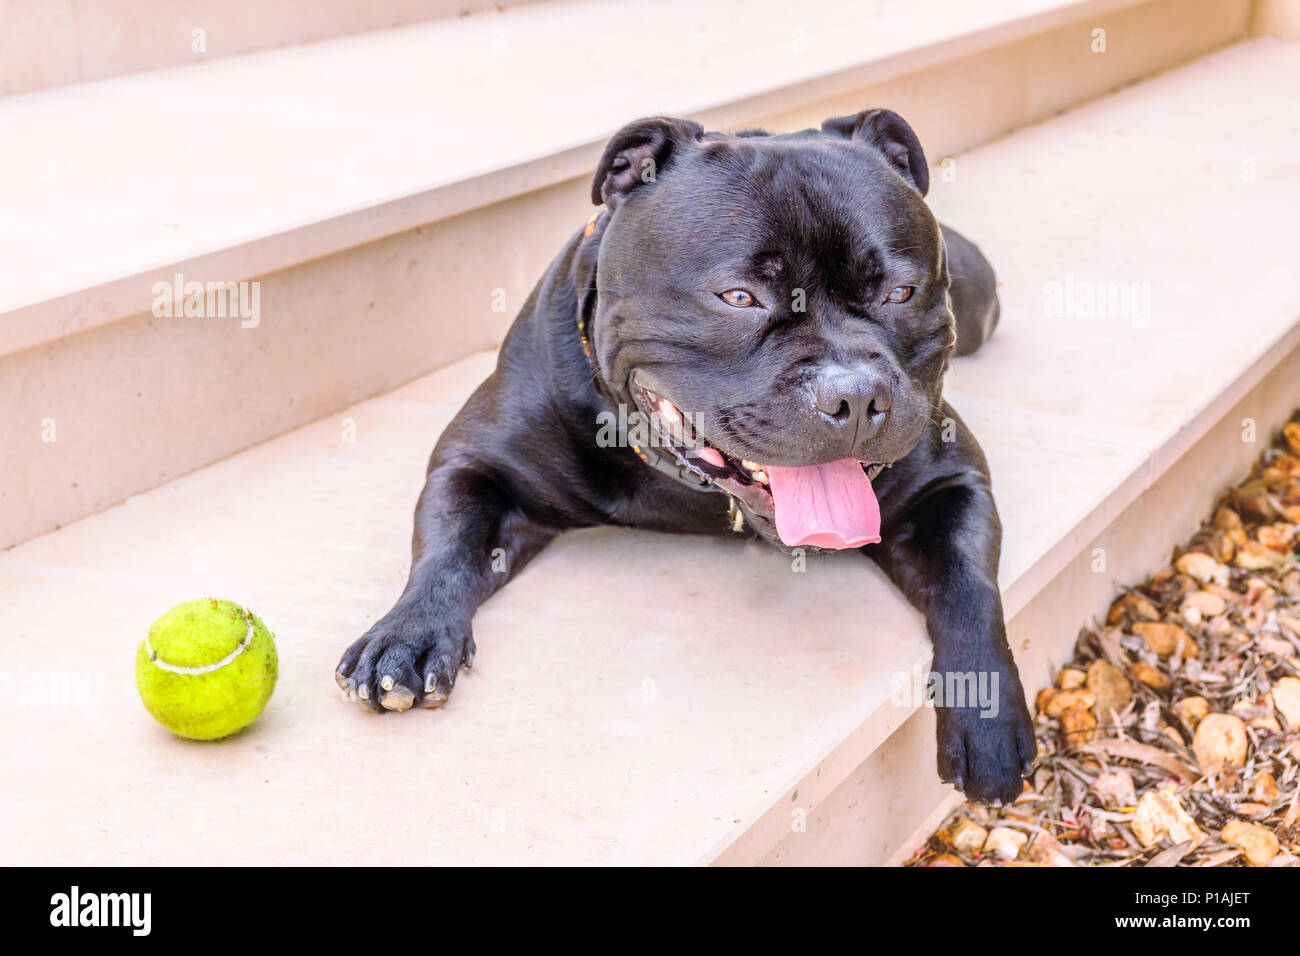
x=408 y=657
x=986 y=740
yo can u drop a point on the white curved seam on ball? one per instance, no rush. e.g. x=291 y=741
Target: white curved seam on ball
x=206 y=668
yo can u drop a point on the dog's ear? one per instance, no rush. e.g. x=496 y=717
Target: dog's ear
x=637 y=154
x=889 y=133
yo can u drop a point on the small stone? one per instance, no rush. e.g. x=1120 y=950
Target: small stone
x=1222 y=547
x=1276 y=647
x=1192 y=710
x=1133 y=607
x=1045 y=851
x=1070 y=678
x=1220 y=742
x=967 y=836
x=1228 y=594
x=1148 y=675
x=1253 y=556
x=1225 y=519
x=1253 y=501
x=1258 y=844
x=1277 y=537
x=1082 y=699
x=1291 y=624
x=1291 y=583
x=1044 y=699
x=1159 y=814
x=1111 y=689
x=1248 y=808
x=1115 y=789
x=1165 y=639
x=1291 y=432
x=1264 y=788
x=1005 y=843
x=1202 y=567
x=946 y=859
x=1286 y=698
x=1205 y=603
x=1078 y=726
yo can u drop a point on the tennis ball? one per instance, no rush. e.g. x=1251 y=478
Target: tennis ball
x=206 y=669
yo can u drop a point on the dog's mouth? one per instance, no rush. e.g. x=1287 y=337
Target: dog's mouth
x=830 y=505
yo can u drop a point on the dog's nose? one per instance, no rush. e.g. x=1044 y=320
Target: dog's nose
x=854 y=400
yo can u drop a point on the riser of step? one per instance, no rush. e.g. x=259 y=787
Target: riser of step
x=135 y=401
x=890 y=803
x=104 y=414
x=46 y=43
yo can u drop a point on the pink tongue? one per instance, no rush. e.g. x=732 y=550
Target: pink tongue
x=826 y=506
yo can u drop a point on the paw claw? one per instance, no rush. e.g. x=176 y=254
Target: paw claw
x=386 y=682
x=397 y=697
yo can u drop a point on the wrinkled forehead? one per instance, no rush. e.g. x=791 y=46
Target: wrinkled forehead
x=744 y=202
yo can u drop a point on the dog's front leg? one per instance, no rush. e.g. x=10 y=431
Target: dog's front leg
x=942 y=552
x=470 y=537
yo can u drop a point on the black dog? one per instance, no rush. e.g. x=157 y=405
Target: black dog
x=774 y=315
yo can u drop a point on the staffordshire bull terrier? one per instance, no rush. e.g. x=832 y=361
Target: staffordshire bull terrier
x=766 y=320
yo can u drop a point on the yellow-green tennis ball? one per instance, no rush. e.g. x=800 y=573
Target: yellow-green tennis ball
x=206 y=668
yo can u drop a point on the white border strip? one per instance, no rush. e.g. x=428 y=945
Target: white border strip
x=206 y=668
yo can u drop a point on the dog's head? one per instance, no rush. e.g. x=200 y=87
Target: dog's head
x=778 y=306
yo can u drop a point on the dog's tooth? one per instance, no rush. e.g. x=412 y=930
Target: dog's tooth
x=750 y=465
x=670 y=419
x=711 y=455
x=759 y=475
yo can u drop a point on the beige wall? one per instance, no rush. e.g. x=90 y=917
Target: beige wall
x=1279 y=18
x=47 y=43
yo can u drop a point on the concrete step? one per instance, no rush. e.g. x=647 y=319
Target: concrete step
x=706 y=704
x=391 y=216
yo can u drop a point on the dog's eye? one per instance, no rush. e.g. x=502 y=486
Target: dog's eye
x=740 y=298
x=901 y=293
